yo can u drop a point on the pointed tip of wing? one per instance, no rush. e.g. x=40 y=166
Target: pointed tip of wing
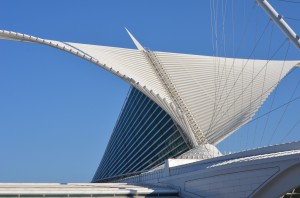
x=137 y=44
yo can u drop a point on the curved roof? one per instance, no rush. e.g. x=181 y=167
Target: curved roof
x=209 y=97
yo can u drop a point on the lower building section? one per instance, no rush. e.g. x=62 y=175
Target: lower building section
x=143 y=138
x=272 y=171
x=84 y=190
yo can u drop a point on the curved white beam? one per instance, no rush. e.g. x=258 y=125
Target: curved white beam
x=217 y=102
x=128 y=64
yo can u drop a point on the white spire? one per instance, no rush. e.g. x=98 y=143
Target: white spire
x=137 y=44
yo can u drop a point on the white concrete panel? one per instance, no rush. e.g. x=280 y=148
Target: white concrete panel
x=226 y=184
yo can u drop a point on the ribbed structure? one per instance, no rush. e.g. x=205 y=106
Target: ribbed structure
x=144 y=136
x=208 y=97
x=222 y=94
x=179 y=101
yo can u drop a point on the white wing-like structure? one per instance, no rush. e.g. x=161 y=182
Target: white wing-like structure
x=208 y=97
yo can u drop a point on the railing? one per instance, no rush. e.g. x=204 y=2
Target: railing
x=144 y=177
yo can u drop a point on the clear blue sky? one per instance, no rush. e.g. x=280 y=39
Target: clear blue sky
x=57 y=111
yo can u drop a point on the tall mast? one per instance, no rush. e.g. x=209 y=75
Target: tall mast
x=279 y=21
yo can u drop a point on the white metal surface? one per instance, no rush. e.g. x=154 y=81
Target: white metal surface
x=223 y=101
x=279 y=21
x=220 y=94
x=137 y=44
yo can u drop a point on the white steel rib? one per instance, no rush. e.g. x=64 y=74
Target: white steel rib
x=214 y=94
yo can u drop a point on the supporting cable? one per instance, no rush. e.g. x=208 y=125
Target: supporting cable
x=218 y=79
x=261 y=96
x=212 y=19
x=290 y=131
x=275 y=92
x=290 y=1
x=252 y=81
x=231 y=70
x=220 y=75
x=253 y=65
x=253 y=50
x=291 y=18
x=254 y=101
x=275 y=109
x=283 y=114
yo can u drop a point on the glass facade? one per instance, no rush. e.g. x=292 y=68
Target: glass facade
x=144 y=136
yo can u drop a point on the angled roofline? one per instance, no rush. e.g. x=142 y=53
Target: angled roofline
x=179 y=83
x=170 y=108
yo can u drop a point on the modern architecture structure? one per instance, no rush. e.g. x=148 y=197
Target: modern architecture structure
x=265 y=172
x=144 y=137
x=180 y=106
